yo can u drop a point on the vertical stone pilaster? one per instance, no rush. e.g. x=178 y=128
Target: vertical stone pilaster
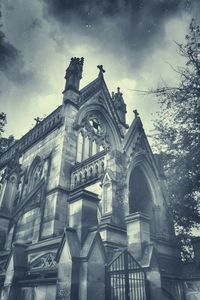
x=156 y=220
x=16 y=269
x=116 y=166
x=138 y=233
x=83 y=207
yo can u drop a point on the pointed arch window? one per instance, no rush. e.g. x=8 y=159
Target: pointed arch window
x=91 y=138
x=35 y=174
x=86 y=151
x=94 y=147
x=79 y=147
x=107 y=196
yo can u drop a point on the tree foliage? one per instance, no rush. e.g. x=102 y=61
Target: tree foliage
x=2 y=122
x=4 y=142
x=178 y=135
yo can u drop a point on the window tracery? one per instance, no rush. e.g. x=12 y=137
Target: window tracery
x=36 y=174
x=92 y=137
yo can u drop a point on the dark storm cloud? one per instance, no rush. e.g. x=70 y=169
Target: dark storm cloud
x=11 y=60
x=139 y=21
x=131 y=28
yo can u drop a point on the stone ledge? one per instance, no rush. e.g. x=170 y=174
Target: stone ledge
x=137 y=217
x=47 y=243
x=83 y=194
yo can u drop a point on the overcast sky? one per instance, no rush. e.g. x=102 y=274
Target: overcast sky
x=133 y=39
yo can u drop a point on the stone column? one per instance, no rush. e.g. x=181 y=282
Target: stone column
x=83 y=212
x=16 y=270
x=115 y=166
x=138 y=233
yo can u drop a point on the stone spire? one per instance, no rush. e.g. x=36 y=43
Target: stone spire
x=120 y=105
x=73 y=76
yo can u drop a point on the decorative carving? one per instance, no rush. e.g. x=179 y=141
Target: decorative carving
x=64 y=291
x=88 y=172
x=37 y=174
x=136 y=113
x=93 y=127
x=44 y=262
x=87 y=93
x=139 y=146
x=74 y=73
x=101 y=70
x=13 y=166
x=94 y=124
x=119 y=105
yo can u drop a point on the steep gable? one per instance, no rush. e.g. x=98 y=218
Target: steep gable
x=136 y=143
x=97 y=92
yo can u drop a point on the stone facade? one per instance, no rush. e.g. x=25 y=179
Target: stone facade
x=82 y=191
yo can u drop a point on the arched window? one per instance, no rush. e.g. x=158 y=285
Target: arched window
x=107 y=198
x=107 y=195
x=94 y=147
x=79 y=147
x=35 y=174
x=92 y=138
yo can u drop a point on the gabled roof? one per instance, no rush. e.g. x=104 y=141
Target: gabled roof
x=71 y=238
x=99 y=86
x=135 y=136
x=89 y=243
x=73 y=243
x=136 y=126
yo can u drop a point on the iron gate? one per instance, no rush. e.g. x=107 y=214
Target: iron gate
x=126 y=280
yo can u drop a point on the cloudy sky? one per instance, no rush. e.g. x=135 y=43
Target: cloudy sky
x=133 y=39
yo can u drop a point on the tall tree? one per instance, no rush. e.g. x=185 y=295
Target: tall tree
x=177 y=136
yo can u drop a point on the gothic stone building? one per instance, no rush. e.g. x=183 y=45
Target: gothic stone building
x=83 y=212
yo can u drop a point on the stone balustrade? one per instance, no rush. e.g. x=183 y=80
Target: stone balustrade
x=54 y=120
x=89 y=170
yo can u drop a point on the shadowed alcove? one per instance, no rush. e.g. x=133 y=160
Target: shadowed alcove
x=140 y=194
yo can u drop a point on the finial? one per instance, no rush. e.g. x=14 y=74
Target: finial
x=101 y=70
x=38 y=120
x=118 y=89
x=136 y=113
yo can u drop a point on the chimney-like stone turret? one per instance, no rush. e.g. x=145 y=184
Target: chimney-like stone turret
x=73 y=76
